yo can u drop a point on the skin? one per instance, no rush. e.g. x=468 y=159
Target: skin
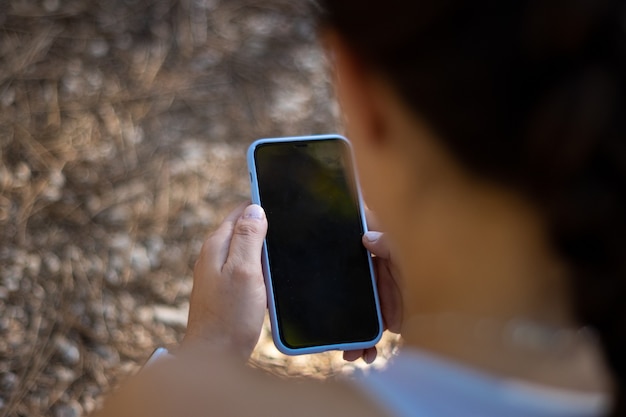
x=452 y=243
x=208 y=373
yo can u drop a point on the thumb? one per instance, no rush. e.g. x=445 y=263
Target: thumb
x=376 y=243
x=244 y=252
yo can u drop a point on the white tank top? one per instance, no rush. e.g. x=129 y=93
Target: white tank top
x=418 y=384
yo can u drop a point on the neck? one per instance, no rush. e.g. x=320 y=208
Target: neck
x=485 y=254
x=566 y=358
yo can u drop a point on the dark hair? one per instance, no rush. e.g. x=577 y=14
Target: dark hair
x=531 y=94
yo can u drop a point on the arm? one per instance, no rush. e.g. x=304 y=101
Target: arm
x=202 y=383
x=207 y=375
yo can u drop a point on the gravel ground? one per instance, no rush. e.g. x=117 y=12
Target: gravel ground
x=123 y=127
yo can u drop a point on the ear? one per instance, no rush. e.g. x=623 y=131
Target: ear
x=356 y=87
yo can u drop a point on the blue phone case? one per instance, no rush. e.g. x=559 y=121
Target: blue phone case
x=265 y=260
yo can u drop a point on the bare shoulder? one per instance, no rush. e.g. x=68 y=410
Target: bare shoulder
x=220 y=386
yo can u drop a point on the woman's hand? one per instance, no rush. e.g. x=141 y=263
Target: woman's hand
x=228 y=300
x=387 y=277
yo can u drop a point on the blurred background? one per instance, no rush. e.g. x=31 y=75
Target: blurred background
x=123 y=128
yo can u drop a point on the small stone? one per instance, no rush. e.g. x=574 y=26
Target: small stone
x=56 y=181
x=56 y=178
x=51 y=193
x=38 y=292
x=112 y=277
x=64 y=374
x=12 y=278
x=95 y=79
x=155 y=246
x=15 y=339
x=133 y=134
x=6 y=178
x=68 y=350
x=117 y=263
x=144 y=314
x=184 y=287
x=139 y=259
x=171 y=316
x=33 y=264
x=89 y=405
x=72 y=409
x=126 y=301
x=98 y=48
x=8 y=381
x=109 y=356
x=7 y=97
x=22 y=174
x=120 y=242
x=52 y=263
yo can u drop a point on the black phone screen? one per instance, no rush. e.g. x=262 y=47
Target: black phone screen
x=322 y=285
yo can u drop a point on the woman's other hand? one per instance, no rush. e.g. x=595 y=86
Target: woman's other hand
x=228 y=300
x=387 y=282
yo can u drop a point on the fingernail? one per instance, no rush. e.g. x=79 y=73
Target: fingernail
x=370 y=356
x=253 y=212
x=372 y=237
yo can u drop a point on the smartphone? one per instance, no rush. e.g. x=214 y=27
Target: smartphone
x=320 y=280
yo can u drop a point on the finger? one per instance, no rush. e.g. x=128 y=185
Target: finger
x=370 y=354
x=352 y=355
x=390 y=299
x=247 y=240
x=376 y=243
x=217 y=244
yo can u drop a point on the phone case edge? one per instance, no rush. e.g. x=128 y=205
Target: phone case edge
x=254 y=190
